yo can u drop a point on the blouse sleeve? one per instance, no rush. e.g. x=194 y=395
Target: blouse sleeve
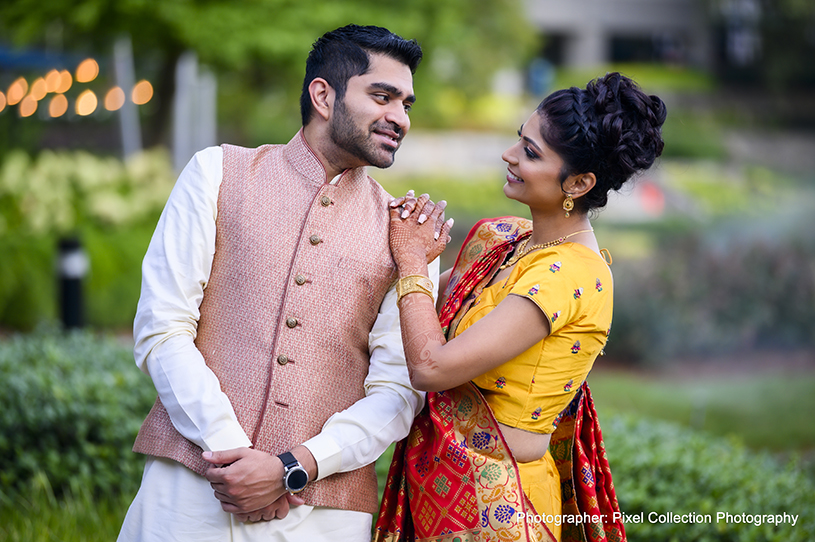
x=545 y=280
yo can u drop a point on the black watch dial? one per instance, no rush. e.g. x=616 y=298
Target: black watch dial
x=297 y=479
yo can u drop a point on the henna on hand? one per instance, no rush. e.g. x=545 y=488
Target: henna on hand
x=422 y=236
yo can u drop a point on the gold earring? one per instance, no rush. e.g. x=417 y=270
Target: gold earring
x=568 y=204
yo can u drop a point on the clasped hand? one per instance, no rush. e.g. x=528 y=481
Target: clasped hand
x=249 y=484
x=418 y=231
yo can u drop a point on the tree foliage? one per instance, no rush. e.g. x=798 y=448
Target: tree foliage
x=259 y=46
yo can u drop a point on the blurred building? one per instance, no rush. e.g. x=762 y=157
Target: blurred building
x=583 y=33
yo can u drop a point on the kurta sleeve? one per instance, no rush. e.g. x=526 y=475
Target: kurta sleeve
x=175 y=273
x=358 y=435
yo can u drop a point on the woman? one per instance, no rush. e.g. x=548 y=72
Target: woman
x=525 y=312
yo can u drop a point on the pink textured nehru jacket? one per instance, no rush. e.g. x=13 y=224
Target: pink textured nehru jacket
x=300 y=270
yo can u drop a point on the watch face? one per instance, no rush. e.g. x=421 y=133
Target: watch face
x=297 y=479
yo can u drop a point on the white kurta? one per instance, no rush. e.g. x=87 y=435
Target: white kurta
x=175 y=273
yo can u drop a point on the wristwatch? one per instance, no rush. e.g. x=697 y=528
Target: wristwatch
x=295 y=476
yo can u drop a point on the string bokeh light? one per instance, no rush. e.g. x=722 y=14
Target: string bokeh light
x=86 y=103
x=114 y=99
x=142 y=92
x=87 y=71
x=58 y=106
x=17 y=91
x=28 y=106
x=57 y=82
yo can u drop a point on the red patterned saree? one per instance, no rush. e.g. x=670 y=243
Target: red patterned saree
x=453 y=479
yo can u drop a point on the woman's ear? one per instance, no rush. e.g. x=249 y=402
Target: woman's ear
x=322 y=97
x=580 y=184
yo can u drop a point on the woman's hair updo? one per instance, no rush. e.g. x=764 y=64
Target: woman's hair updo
x=611 y=128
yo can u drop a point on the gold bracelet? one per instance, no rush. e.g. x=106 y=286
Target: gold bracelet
x=413 y=283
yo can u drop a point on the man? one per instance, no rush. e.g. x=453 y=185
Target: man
x=268 y=320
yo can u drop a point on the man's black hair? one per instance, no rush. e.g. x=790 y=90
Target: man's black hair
x=343 y=53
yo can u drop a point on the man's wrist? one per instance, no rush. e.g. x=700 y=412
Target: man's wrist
x=295 y=477
x=307 y=461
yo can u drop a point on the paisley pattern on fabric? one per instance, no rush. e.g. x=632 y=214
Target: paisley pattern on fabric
x=454 y=479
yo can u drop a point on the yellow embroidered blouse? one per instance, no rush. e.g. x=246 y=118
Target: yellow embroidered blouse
x=572 y=286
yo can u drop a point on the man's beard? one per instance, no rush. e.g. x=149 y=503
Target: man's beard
x=349 y=137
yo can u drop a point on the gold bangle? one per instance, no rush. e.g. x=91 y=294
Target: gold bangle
x=413 y=283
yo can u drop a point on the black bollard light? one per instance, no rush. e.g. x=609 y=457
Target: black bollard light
x=72 y=267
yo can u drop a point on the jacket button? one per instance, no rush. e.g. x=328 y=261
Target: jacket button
x=300 y=280
x=282 y=360
x=291 y=322
x=314 y=239
x=325 y=201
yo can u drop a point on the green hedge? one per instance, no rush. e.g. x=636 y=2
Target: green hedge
x=703 y=295
x=71 y=404
x=111 y=206
x=70 y=407
x=663 y=468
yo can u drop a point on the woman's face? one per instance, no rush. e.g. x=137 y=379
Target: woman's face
x=533 y=169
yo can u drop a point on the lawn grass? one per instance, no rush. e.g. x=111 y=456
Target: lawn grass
x=38 y=516
x=771 y=411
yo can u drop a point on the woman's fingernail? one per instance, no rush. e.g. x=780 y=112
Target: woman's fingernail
x=451 y=222
x=437 y=235
x=422 y=218
x=442 y=203
x=405 y=213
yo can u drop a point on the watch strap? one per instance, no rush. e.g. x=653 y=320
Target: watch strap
x=288 y=460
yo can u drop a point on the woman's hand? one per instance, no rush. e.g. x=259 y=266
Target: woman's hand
x=418 y=231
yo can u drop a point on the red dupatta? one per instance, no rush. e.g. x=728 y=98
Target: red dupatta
x=454 y=479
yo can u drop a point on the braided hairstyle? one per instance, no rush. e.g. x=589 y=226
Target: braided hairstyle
x=611 y=128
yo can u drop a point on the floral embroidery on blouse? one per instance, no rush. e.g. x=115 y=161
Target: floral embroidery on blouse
x=555 y=316
x=533 y=290
x=555 y=267
x=576 y=347
x=536 y=414
x=578 y=293
x=568 y=387
x=501 y=382
x=599 y=286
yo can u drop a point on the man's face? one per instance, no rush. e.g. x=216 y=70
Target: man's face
x=368 y=124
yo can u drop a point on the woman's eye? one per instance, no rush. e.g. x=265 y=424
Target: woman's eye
x=531 y=155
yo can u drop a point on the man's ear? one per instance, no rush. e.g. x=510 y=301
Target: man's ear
x=579 y=185
x=322 y=97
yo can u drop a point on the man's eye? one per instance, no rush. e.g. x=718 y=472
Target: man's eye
x=408 y=108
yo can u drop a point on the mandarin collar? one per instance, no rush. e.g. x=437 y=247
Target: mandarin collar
x=305 y=161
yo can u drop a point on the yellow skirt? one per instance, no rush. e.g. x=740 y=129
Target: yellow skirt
x=541 y=484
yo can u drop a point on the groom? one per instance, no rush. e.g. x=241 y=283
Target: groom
x=268 y=323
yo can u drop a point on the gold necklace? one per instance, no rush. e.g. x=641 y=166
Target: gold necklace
x=522 y=251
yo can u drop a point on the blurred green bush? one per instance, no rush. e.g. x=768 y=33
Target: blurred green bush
x=700 y=295
x=70 y=407
x=71 y=404
x=110 y=205
x=663 y=468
